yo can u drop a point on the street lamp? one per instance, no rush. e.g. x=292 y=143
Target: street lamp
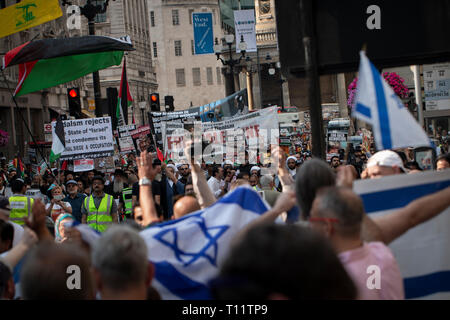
x=90 y=11
x=229 y=39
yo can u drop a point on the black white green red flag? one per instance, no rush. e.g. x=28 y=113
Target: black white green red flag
x=58 y=140
x=50 y=62
x=124 y=100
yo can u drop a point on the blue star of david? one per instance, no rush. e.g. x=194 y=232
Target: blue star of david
x=211 y=241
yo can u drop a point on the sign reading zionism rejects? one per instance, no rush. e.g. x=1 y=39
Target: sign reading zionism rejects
x=88 y=138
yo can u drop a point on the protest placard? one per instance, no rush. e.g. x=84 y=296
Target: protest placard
x=242 y=131
x=83 y=165
x=87 y=138
x=422 y=253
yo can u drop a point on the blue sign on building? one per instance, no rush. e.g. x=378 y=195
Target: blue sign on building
x=203 y=33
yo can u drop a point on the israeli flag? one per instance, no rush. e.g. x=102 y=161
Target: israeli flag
x=188 y=252
x=377 y=104
x=421 y=253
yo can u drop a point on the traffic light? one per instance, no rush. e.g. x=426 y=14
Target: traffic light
x=73 y=96
x=168 y=102
x=154 y=102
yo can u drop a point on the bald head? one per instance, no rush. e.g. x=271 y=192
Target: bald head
x=185 y=205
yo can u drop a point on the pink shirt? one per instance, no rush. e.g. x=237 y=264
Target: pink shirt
x=357 y=261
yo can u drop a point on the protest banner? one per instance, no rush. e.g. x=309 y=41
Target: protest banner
x=83 y=165
x=422 y=253
x=87 y=138
x=245 y=132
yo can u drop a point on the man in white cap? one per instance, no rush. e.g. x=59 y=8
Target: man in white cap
x=255 y=170
x=291 y=164
x=383 y=163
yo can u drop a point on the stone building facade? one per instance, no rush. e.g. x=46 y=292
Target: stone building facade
x=192 y=80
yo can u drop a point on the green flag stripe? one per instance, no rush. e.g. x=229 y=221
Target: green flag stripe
x=52 y=72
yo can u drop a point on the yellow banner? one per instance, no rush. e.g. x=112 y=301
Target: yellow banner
x=27 y=14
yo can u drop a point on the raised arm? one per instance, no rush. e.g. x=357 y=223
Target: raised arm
x=14 y=255
x=418 y=211
x=286 y=180
x=146 y=170
x=204 y=194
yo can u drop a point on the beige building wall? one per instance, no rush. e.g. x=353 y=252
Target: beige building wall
x=164 y=34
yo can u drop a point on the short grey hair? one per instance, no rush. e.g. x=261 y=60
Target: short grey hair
x=121 y=258
x=343 y=204
x=266 y=180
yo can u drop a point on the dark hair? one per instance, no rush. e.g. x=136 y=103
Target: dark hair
x=215 y=170
x=413 y=165
x=310 y=268
x=17 y=186
x=242 y=174
x=312 y=175
x=5 y=276
x=331 y=160
x=44 y=275
x=6 y=232
x=402 y=155
x=445 y=157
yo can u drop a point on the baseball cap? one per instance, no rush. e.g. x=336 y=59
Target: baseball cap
x=71 y=181
x=386 y=158
x=4 y=203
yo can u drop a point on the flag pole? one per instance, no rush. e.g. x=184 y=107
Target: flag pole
x=23 y=119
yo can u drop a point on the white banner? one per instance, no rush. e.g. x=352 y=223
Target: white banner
x=245 y=130
x=422 y=253
x=87 y=138
x=83 y=165
x=244 y=24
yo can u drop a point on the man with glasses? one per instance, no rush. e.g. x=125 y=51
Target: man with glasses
x=185 y=173
x=74 y=198
x=99 y=210
x=337 y=213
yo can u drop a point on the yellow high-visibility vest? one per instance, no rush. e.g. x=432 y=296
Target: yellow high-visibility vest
x=20 y=208
x=99 y=218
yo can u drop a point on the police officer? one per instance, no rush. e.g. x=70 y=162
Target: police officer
x=20 y=204
x=99 y=210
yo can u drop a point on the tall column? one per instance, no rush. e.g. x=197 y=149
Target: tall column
x=342 y=95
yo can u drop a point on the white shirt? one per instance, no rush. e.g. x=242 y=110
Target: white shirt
x=215 y=185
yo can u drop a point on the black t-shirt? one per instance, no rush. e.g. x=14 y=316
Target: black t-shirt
x=156 y=189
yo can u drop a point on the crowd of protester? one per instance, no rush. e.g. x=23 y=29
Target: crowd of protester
x=334 y=232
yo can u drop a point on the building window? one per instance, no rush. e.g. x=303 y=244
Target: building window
x=219 y=75
x=100 y=17
x=152 y=18
x=191 y=11
x=180 y=78
x=175 y=18
x=192 y=47
x=178 y=52
x=196 y=76
x=209 y=76
x=155 y=50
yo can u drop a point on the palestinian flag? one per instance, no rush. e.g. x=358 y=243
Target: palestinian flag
x=123 y=102
x=18 y=165
x=58 y=140
x=50 y=62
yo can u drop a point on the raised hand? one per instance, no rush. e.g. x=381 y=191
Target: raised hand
x=145 y=167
